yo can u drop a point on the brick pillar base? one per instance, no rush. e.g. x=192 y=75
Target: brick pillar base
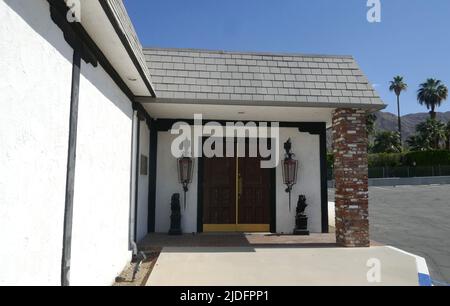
x=351 y=175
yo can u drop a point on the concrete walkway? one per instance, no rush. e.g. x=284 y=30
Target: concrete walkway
x=280 y=266
x=251 y=240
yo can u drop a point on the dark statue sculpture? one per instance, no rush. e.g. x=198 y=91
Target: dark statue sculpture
x=301 y=219
x=175 y=217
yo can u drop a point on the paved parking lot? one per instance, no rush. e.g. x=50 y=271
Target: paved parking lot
x=415 y=219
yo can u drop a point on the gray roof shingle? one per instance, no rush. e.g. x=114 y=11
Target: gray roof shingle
x=259 y=77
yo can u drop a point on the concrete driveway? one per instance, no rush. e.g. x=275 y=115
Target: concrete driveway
x=225 y=266
x=415 y=219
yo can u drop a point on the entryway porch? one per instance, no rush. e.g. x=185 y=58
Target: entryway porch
x=274 y=260
x=155 y=242
x=219 y=199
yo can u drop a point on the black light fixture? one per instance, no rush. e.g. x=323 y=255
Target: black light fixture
x=290 y=169
x=185 y=172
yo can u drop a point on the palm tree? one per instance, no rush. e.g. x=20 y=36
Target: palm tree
x=370 y=129
x=447 y=129
x=433 y=132
x=419 y=143
x=387 y=142
x=397 y=86
x=432 y=93
x=370 y=123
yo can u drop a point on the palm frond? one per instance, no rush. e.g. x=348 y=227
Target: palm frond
x=432 y=93
x=397 y=85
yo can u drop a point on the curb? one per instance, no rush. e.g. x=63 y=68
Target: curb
x=424 y=277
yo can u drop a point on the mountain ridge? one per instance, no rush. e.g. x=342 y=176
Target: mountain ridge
x=388 y=122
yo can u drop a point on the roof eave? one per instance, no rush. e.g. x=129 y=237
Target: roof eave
x=368 y=107
x=119 y=18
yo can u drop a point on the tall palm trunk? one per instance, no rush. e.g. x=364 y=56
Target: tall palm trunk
x=433 y=113
x=399 y=119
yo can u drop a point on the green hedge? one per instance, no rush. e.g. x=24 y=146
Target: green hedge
x=423 y=158
x=386 y=159
x=427 y=158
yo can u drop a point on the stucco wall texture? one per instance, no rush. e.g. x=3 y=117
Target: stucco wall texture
x=35 y=85
x=35 y=90
x=102 y=180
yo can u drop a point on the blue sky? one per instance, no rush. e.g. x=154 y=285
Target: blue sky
x=413 y=38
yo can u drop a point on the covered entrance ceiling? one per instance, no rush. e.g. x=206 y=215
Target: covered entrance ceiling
x=239 y=112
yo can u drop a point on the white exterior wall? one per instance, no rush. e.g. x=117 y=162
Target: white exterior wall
x=35 y=86
x=102 y=180
x=307 y=150
x=167 y=184
x=142 y=210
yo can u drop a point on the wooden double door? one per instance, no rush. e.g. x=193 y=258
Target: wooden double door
x=236 y=195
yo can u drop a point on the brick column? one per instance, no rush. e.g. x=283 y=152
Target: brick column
x=351 y=175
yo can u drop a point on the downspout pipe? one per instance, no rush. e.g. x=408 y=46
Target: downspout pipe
x=136 y=190
x=134 y=180
x=70 y=174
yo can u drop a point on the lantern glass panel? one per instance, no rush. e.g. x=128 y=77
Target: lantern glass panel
x=185 y=170
x=290 y=167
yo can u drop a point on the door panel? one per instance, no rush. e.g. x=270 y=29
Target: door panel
x=254 y=197
x=219 y=191
x=236 y=194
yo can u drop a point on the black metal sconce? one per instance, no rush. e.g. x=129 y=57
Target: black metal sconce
x=185 y=172
x=290 y=169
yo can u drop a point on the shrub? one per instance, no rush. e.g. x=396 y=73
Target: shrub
x=385 y=160
x=330 y=160
x=421 y=158
x=387 y=142
x=427 y=158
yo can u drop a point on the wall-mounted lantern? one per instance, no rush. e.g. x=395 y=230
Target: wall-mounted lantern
x=185 y=166
x=290 y=168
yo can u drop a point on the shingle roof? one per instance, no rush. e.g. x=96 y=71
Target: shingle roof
x=317 y=80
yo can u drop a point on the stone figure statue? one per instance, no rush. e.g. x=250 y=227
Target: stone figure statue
x=301 y=205
x=301 y=219
x=175 y=217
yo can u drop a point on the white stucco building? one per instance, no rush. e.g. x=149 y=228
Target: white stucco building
x=86 y=168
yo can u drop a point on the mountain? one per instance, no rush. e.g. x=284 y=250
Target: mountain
x=388 y=122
